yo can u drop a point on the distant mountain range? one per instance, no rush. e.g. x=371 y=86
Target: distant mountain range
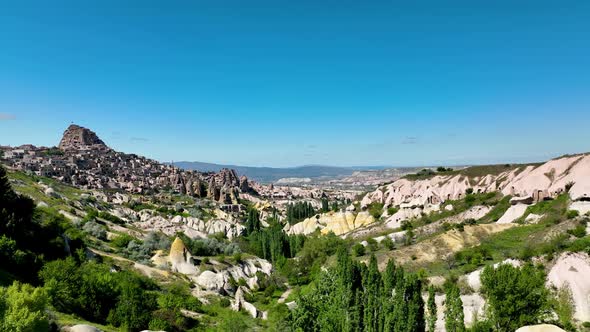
x=272 y=174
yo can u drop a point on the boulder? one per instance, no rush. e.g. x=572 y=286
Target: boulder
x=540 y=328
x=83 y=328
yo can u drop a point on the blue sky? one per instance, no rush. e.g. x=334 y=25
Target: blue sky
x=284 y=83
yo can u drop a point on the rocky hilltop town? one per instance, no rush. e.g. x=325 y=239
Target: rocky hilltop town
x=84 y=160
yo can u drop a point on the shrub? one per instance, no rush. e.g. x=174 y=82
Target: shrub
x=224 y=302
x=579 y=231
x=392 y=210
x=110 y=217
x=375 y=209
x=372 y=244
x=358 y=250
x=23 y=308
x=122 y=240
x=95 y=229
x=572 y=214
x=388 y=243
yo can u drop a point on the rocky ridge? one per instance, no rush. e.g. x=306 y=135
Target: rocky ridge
x=570 y=173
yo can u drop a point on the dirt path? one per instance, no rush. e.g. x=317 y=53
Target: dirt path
x=285 y=295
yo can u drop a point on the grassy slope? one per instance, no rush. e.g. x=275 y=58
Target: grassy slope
x=473 y=171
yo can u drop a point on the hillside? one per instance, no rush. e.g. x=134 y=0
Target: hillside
x=93 y=250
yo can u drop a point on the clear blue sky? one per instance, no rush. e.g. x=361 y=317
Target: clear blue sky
x=283 y=83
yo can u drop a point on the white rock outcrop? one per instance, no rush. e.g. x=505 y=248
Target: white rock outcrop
x=221 y=279
x=193 y=227
x=540 y=328
x=582 y=207
x=536 y=182
x=514 y=212
x=573 y=270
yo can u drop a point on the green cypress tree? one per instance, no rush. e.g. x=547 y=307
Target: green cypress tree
x=373 y=285
x=431 y=305
x=454 y=317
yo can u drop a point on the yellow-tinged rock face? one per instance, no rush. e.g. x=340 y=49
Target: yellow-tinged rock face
x=177 y=250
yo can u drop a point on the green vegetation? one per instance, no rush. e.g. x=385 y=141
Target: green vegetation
x=454 y=309
x=470 y=172
x=334 y=289
x=516 y=296
x=22 y=308
x=375 y=209
x=355 y=297
x=431 y=306
x=299 y=211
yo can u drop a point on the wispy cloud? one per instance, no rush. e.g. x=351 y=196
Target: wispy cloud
x=139 y=139
x=410 y=140
x=7 y=117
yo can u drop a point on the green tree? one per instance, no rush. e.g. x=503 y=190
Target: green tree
x=516 y=296
x=454 y=317
x=22 y=309
x=134 y=305
x=408 y=307
x=325 y=205
x=431 y=305
x=373 y=285
x=253 y=221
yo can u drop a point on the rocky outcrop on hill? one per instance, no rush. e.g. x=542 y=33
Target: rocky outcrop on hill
x=239 y=303
x=337 y=222
x=531 y=183
x=223 y=279
x=572 y=270
x=180 y=258
x=83 y=160
x=76 y=138
x=219 y=278
x=149 y=220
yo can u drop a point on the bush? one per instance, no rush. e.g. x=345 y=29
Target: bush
x=122 y=241
x=111 y=218
x=23 y=308
x=224 y=302
x=375 y=209
x=95 y=229
x=358 y=250
x=392 y=210
x=388 y=243
x=372 y=244
x=572 y=214
x=579 y=231
x=92 y=292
